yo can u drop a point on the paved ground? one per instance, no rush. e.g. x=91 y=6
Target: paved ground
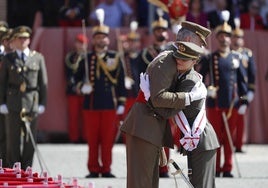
x=69 y=160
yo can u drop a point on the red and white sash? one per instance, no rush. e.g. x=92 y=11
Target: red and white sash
x=191 y=137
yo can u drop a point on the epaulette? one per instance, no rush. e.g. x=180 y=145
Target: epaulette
x=249 y=52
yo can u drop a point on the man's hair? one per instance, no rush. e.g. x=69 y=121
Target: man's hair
x=188 y=36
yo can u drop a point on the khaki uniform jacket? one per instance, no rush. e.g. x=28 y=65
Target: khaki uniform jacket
x=23 y=85
x=141 y=120
x=208 y=139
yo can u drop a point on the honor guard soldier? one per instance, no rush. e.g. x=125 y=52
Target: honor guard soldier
x=74 y=96
x=226 y=93
x=105 y=95
x=132 y=65
x=23 y=91
x=160 y=34
x=249 y=73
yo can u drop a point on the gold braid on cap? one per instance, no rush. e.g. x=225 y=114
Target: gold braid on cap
x=182 y=49
x=200 y=35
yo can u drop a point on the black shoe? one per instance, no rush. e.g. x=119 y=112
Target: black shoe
x=92 y=175
x=218 y=174
x=163 y=175
x=239 y=151
x=227 y=175
x=108 y=175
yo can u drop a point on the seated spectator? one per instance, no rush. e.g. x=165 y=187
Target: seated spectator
x=252 y=19
x=117 y=13
x=72 y=13
x=196 y=13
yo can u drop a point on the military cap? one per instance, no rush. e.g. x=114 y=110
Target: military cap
x=101 y=28
x=21 y=31
x=3 y=26
x=81 y=38
x=133 y=34
x=6 y=35
x=187 y=50
x=161 y=22
x=199 y=30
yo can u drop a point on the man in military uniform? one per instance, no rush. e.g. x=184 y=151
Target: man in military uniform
x=160 y=40
x=3 y=31
x=146 y=132
x=249 y=73
x=23 y=89
x=226 y=93
x=74 y=96
x=105 y=95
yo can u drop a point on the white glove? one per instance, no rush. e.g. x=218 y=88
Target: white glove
x=199 y=91
x=128 y=82
x=3 y=109
x=41 y=109
x=242 y=109
x=250 y=96
x=86 y=89
x=120 y=110
x=145 y=85
x=212 y=92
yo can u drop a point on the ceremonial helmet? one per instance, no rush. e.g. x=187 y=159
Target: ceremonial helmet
x=133 y=34
x=161 y=22
x=237 y=31
x=225 y=27
x=101 y=28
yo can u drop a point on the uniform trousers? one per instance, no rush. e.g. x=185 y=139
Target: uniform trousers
x=18 y=151
x=215 y=117
x=240 y=130
x=203 y=165
x=3 y=140
x=101 y=130
x=76 y=129
x=142 y=163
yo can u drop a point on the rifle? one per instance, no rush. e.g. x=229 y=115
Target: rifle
x=122 y=58
x=226 y=125
x=86 y=79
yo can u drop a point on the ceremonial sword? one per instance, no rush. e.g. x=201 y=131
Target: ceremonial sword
x=179 y=171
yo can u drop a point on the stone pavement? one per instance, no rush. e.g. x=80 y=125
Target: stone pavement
x=70 y=160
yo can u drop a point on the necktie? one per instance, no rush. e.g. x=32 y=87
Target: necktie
x=23 y=57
